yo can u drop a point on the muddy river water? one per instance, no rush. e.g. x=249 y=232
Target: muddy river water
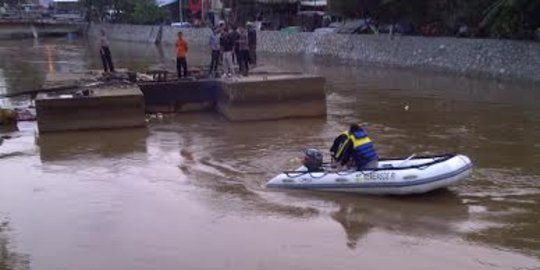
x=187 y=192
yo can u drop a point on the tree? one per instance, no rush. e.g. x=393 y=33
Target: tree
x=413 y=11
x=122 y=11
x=512 y=18
x=353 y=8
x=146 y=12
x=95 y=10
x=9 y=3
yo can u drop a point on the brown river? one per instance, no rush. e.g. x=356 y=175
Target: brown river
x=187 y=192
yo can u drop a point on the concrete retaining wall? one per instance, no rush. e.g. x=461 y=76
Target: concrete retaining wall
x=504 y=59
x=126 y=32
x=178 y=96
x=107 y=108
x=28 y=30
x=272 y=97
x=274 y=88
x=257 y=97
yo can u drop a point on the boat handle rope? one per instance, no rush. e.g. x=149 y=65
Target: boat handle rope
x=323 y=175
x=289 y=174
x=348 y=172
x=298 y=174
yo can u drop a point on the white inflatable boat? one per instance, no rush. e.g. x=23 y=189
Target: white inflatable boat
x=413 y=175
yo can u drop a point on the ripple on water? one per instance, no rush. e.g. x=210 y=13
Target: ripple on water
x=502 y=204
x=225 y=165
x=500 y=183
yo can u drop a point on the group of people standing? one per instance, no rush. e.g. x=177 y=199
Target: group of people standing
x=230 y=45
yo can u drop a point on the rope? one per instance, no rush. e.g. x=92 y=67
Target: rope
x=437 y=159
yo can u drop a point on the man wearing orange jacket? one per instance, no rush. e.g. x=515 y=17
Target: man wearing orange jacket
x=181 y=50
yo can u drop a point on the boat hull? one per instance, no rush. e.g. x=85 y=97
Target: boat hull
x=388 y=179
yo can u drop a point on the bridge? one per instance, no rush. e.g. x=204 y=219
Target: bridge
x=28 y=28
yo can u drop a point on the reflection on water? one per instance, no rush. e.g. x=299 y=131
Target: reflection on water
x=136 y=197
x=10 y=260
x=102 y=144
x=422 y=216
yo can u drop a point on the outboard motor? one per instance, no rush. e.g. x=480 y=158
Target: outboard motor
x=313 y=160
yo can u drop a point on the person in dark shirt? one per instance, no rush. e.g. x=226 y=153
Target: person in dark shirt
x=215 y=54
x=252 y=42
x=243 y=51
x=235 y=36
x=227 y=46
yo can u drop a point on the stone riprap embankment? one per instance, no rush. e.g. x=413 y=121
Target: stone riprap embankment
x=504 y=59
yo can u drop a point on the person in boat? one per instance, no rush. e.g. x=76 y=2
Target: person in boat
x=339 y=141
x=356 y=147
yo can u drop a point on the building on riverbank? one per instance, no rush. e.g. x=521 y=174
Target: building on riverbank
x=66 y=10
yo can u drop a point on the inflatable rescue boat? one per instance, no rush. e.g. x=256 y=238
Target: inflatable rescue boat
x=413 y=175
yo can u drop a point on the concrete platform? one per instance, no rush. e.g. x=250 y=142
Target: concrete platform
x=113 y=106
x=179 y=96
x=80 y=78
x=269 y=97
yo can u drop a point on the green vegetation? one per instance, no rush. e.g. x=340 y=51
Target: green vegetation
x=494 y=18
x=146 y=12
x=517 y=19
x=352 y=8
x=512 y=18
x=9 y=2
x=124 y=11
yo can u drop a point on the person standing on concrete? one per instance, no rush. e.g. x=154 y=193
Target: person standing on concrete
x=105 y=53
x=227 y=46
x=214 y=46
x=181 y=51
x=234 y=35
x=243 y=51
x=252 y=42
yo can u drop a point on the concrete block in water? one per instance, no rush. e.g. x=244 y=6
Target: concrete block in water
x=176 y=96
x=268 y=97
x=108 y=107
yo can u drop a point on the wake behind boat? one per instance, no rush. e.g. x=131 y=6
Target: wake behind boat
x=413 y=175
